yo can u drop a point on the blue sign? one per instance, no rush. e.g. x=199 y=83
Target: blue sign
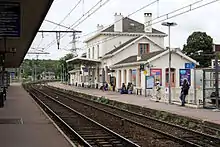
x=10 y=19
x=185 y=74
x=189 y=65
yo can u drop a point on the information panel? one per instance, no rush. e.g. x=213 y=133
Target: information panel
x=149 y=83
x=10 y=19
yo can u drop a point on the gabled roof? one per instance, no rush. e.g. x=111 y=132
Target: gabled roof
x=143 y=58
x=129 y=26
x=132 y=26
x=128 y=43
x=132 y=60
x=121 y=46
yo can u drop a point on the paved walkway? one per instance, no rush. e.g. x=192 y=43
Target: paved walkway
x=203 y=114
x=23 y=124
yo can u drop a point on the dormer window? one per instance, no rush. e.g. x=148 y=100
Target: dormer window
x=143 y=48
x=132 y=24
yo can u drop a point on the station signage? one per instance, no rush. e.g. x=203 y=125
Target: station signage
x=189 y=65
x=10 y=19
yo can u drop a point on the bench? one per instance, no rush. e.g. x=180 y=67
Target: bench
x=119 y=89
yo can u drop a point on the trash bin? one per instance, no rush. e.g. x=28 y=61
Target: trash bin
x=1 y=100
x=113 y=88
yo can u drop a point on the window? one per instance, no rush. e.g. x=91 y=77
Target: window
x=89 y=53
x=93 y=52
x=172 y=77
x=143 y=48
x=97 y=51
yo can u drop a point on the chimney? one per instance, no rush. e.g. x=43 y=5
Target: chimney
x=148 y=22
x=99 y=27
x=118 y=25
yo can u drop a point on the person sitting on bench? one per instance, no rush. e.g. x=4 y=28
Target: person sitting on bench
x=130 y=88
x=123 y=89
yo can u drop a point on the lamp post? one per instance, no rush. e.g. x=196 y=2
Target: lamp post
x=169 y=24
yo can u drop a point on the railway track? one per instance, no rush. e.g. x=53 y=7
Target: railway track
x=83 y=130
x=190 y=136
x=141 y=134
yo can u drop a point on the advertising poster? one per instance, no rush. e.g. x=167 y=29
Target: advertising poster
x=134 y=76
x=149 y=83
x=157 y=73
x=12 y=75
x=185 y=74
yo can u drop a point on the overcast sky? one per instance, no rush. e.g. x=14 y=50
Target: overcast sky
x=204 y=19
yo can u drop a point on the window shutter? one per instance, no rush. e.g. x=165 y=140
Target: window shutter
x=148 y=48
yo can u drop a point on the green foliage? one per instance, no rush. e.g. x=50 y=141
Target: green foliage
x=199 y=47
x=45 y=65
x=102 y=100
x=41 y=66
x=67 y=67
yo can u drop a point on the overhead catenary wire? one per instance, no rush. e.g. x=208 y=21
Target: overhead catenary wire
x=145 y=6
x=59 y=24
x=159 y=21
x=89 y=13
x=140 y=10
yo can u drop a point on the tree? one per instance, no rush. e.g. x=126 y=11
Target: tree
x=64 y=65
x=199 y=47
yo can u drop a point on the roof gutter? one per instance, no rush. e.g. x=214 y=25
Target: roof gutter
x=128 y=64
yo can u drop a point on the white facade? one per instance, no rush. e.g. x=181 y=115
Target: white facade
x=111 y=48
x=106 y=41
x=104 y=44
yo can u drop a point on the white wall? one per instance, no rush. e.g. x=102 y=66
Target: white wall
x=95 y=43
x=114 y=42
x=106 y=44
x=158 y=40
x=177 y=62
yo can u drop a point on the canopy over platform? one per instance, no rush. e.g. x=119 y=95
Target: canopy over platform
x=83 y=61
x=20 y=21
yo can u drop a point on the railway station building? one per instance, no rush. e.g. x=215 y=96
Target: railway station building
x=130 y=52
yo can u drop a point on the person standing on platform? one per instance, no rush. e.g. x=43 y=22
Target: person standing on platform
x=158 y=91
x=184 y=91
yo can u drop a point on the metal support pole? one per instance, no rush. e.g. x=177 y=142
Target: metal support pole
x=35 y=72
x=61 y=74
x=216 y=80
x=195 y=94
x=169 y=84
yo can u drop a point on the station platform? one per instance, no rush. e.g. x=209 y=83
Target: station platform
x=201 y=114
x=23 y=124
